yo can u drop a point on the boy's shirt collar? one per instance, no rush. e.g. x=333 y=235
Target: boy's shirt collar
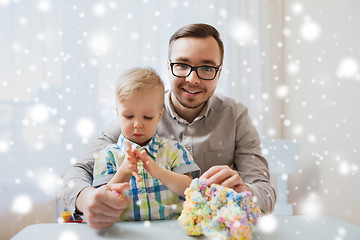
x=151 y=148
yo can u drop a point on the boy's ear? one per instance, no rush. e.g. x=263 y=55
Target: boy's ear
x=161 y=113
x=117 y=112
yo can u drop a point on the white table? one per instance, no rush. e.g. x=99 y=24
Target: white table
x=288 y=228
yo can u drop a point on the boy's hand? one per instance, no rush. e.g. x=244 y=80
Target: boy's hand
x=131 y=161
x=148 y=163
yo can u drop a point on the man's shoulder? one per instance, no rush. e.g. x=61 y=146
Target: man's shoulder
x=221 y=102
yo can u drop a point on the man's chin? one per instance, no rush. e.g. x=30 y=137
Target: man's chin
x=190 y=105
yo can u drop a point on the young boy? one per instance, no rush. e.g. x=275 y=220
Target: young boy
x=159 y=170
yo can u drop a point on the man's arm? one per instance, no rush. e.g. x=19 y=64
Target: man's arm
x=80 y=176
x=251 y=165
x=250 y=171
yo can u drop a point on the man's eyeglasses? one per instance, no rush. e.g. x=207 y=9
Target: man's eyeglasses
x=184 y=70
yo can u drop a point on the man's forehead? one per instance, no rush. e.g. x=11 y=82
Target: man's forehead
x=190 y=49
x=206 y=61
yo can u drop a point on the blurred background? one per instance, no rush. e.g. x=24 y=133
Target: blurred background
x=293 y=63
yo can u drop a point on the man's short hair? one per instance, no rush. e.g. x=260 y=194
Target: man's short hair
x=198 y=30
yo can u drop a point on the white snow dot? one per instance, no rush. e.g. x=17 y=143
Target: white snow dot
x=99 y=9
x=22 y=204
x=100 y=43
x=241 y=31
x=47 y=181
x=23 y=21
x=312 y=205
x=223 y=13
x=271 y=131
x=73 y=160
x=113 y=5
x=282 y=91
x=298 y=130
x=147 y=224
x=287 y=122
x=85 y=127
x=4 y=146
x=68 y=235
x=265 y=96
x=310 y=30
x=347 y=68
x=284 y=177
x=311 y=138
x=4 y=2
x=341 y=231
x=293 y=68
x=134 y=36
x=344 y=168
x=44 y=6
x=39 y=113
x=69 y=146
x=30 y=173
x=297 y=8
x=268 y=224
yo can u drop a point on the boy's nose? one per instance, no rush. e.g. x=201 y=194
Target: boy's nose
x=138 y=124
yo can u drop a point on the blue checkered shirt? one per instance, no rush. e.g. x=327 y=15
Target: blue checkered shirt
x=151 y=199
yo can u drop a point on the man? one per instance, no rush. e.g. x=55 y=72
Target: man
x=217 y=131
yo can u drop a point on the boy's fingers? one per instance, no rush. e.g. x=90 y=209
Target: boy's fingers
x=137 y=176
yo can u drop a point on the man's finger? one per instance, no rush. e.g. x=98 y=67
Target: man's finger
x=232 y=181
x=212 y=171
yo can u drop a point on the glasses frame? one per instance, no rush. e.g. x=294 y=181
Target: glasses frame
x=194 y=69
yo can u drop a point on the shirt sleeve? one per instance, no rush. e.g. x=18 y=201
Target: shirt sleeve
x=80 y=175
x=183 y=162
x=251 y=165
x=105 y=165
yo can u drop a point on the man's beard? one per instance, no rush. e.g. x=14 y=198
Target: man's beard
x=188 y=106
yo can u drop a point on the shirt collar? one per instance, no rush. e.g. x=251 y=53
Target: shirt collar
x=204 y=112
x=151 y=148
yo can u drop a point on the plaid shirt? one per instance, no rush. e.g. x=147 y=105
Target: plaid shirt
x=151 y=199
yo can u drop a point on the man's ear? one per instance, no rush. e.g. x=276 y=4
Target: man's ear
x=168 y=65
x=219 y=72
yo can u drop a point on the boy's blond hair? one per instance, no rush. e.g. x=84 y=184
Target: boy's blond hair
x=136 y=80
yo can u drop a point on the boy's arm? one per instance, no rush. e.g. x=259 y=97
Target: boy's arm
x=176 y=182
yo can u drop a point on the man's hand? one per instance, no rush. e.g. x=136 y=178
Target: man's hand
x=225 y=176
x=102 y=206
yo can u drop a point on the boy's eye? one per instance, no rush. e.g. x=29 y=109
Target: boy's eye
x=148 y=118
x=128 y=117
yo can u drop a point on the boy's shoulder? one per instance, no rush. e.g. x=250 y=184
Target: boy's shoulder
x=110 y=149
x=169 y=143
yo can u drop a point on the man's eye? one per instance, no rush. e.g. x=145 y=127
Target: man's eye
x=207 y=69
x=184 y=66
x=148 y=118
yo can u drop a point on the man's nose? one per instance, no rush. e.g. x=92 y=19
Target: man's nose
x=193 y=78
